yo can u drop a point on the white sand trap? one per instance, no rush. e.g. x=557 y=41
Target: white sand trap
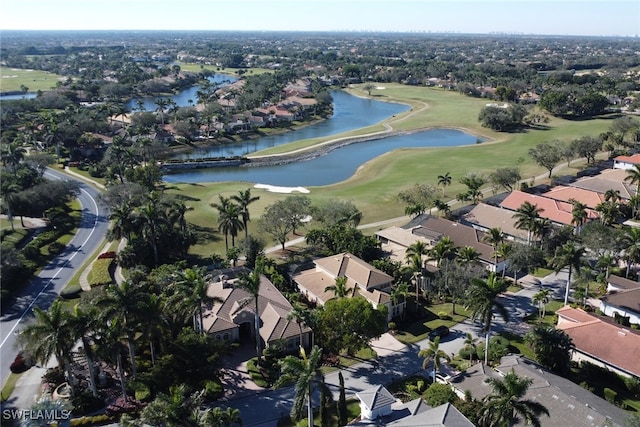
x=276 y=189
x=380 y=87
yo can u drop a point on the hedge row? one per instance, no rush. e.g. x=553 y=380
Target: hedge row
x=100 y=274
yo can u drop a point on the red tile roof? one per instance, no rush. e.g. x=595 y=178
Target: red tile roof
x=607 y=342
x=565 y=194
x=554 y=210
x=635 y=159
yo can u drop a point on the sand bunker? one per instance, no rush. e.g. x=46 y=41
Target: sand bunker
x=276 y=189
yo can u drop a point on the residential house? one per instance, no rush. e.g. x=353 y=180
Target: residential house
x=568 y=403
x=379 y=408
x=609 y=179
x=626 y=162
x=556 y=211
x=362 y=280
x=233 y=320
x=622 y=304
x=616 y=283
x=589 y=198
x=484 y=217
x=433 y=229
x=601 y=342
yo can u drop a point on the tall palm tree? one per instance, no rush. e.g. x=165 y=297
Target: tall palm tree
x=122 y=220
x=633 y=177
x=443 y=207
x=579 y=215
x=190 y=295
x=419 y=248
x=150 y=218
x=494 y=237
x=470 y=343
x=124 y=302
x=251 y=283
x=162 y=104
x=12 y=155
x=444 y=180
x=51 y=335
x=570 y=256
x=299 y=314
x=541 y=299
x=176 y=409
x=506 y=405
x=83 y=327
x=433 y=353
x=305 y=372
x=244 y=199
x=399 y=293
x=339 y=288
x=631 y=247
x=483 y=300
x=504 y=251
x=526 y=217
x=228 y=219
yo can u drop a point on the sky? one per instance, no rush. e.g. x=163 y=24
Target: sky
x=545 y=17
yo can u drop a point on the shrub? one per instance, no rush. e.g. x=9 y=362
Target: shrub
x=84 y=403
x=443 y=315
x=71 y=292
x=100 y=273
x=107 y=255
x=610 y=395
x=392 y=325
x=122 y=406
x=20 y=364
x=213 y=389
x=90 y=421
x=55 y=248
x=54 y=376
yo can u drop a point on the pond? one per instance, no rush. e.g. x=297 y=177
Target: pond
x=334 y=167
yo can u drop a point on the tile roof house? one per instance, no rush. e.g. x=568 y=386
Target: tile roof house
x=558 y=212
x=484 y=217
x=433 y=229
x=362 y=280
x=617 y=283
x=603 y=343
x=562 y=193
x=626 y=162
x=233 y=320
x=568 y=403
x=609 y=179
x=379 y=408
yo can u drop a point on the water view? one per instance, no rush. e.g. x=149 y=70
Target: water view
x=331 y=168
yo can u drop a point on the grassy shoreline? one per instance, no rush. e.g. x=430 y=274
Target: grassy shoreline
x=375 y=185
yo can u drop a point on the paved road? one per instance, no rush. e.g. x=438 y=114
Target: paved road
x=44 y=288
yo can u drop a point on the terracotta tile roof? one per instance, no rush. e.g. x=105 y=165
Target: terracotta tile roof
x=485 y=216
x=604 y=341
x=565 y=194
x=634 y=160
x=554 y=210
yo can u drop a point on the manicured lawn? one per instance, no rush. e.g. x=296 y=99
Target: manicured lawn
x=9 y=386
x=35 y=80
x=419 y=330
x=376 y=184
x=541 y=272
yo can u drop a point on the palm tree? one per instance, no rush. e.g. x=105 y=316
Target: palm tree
x=631 y=247
x=305 y=372
x=83 y=326
x=399 y=293
x=470 y=343
x=190 y=295
x=228 y=219
x=579 y=215
x=340 y=289
x=162 y=104
x=179 y=408
x=526 y=217
x=251 y=284
x=570 y=256
x=150 y=216
x=51 y=335
x=124 y=302
x=445 y=181
x=633 y=177
x=417 y=249
x=541 y=299
x=121 y=218
x=434 y=354
x=298 y=314
x=504 y=251
x=506 y=404
x=13 y=155
x=494 y=237
x=483 y=301
x=244 y=199
x=442 y=207
x=443 y=249
x=468 y=255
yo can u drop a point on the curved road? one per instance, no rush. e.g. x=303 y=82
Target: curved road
x=46 y=286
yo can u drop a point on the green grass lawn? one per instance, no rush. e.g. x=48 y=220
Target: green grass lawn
x=11 y=79
x=9 y=386
x=376 y=184
x=419 y=330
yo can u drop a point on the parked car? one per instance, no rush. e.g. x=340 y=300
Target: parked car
x=440 y=331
